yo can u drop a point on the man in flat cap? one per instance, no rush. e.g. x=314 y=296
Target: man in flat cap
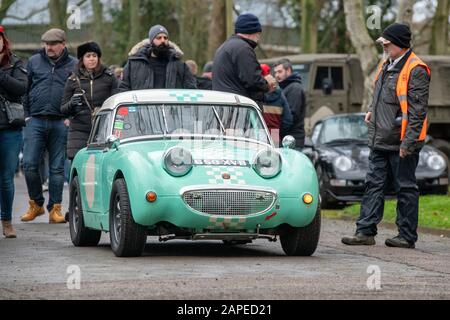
x=397 y=121
x=48 y=71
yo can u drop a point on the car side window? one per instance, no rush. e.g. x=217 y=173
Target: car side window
x=100 y=130
x=335 y=74
x=316 y=132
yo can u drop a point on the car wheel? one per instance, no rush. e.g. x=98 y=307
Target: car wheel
x=301 y=241
x=80 y=235
x=127 y=237
x=326 y=202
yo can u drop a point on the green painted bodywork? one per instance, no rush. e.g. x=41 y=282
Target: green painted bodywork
x=140 y=164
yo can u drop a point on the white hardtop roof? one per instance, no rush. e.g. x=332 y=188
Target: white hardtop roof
x=176 y=96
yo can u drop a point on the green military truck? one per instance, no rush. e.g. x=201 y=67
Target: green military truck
x=334 y=83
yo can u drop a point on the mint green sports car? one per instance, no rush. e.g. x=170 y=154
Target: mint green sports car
x=190 y=164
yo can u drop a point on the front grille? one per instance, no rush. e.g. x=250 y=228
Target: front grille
x=229 y=202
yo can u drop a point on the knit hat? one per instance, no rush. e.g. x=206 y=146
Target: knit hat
x=265 y=69
x=155 y=30
x=398 y=34
x=247 y=24
x=88 y=47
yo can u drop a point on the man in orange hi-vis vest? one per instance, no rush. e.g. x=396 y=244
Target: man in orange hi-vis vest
x=397 y=121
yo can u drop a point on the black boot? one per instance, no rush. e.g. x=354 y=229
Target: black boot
x=399 y=242
x=359 y=240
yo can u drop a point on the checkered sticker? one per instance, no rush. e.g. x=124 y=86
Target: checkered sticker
x=226 y=223
x=215 y=175
x=189 y=96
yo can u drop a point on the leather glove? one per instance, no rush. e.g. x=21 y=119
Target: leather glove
x=77 y=104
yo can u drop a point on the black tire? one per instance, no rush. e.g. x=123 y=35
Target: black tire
x=301 y=241
x=326 y=201
x=80 y=235
x=127 y=237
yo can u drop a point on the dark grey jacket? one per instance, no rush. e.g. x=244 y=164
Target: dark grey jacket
x=13 y=86
x=293 y=90
x=97 y=88
x=138 y=73
x=385 y=124
x=236 y=69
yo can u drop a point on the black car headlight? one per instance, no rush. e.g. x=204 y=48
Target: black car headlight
x=178 y=161
x=436 y=162
x=267 y=163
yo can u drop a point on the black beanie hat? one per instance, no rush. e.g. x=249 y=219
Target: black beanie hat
x=399 y=34
x=247 y=24
x=88 y=47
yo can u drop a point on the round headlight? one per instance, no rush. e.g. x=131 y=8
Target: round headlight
x=267 y=163
x=436 y=162
x=343 y=163
x=178 y=161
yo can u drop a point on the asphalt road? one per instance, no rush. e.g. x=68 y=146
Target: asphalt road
x=42 y=263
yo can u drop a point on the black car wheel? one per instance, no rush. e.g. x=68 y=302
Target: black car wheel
x=80 y=235
x=301 y=241
x=127 y=237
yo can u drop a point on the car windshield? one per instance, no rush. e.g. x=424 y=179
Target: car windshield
x=184 y=119
x=343 y=129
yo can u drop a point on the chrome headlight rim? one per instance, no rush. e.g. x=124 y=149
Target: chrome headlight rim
x=337 y=163
x=256 y=164
x=439 y=160
x=187 y=162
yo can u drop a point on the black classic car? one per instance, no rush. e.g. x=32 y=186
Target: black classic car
x=338 y=148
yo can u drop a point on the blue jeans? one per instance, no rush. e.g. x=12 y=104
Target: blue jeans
x=40 y=135
x=10 y=145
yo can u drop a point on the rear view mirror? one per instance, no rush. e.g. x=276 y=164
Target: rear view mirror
x=112 y=142
x=327 y=86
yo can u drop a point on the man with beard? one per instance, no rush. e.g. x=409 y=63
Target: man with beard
x=157 y=65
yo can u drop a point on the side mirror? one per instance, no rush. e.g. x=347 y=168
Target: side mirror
x=112 y=142
x=308 y=143
x=288 y=142
x=327 y=86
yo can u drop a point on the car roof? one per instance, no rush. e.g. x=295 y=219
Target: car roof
x=178 y=96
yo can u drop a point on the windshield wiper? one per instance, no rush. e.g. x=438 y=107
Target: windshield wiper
x=346 y=140
x=166 y=128
x=218 y=119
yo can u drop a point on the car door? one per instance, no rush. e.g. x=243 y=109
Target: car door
x=92 y=171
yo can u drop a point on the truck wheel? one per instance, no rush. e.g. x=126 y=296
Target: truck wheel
x=127 y=237
x=301 y=241
x=80 y=235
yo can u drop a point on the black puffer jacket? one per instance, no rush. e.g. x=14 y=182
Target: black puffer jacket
x=13 y=86
x=97 y=87
x=293 y=90
x=236 y=69
x=138 y=73
x=385 y=123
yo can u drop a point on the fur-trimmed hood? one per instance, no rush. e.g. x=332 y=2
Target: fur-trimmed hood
x=144 y=45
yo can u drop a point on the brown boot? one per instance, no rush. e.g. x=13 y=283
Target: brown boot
x=33 y=211
x=55 y=215
x=8 y=230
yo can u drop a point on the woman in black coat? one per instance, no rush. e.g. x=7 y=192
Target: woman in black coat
x=13 y=85
x=84 y=93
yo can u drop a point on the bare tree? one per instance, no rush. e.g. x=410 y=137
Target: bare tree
x=405 y=11
x=439 y=34
x=4 y=7
x=309 y=26
x=58 y=13
x=364 y=45
x=217 y=27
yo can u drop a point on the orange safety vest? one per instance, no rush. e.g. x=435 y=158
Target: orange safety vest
x=402 y=92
